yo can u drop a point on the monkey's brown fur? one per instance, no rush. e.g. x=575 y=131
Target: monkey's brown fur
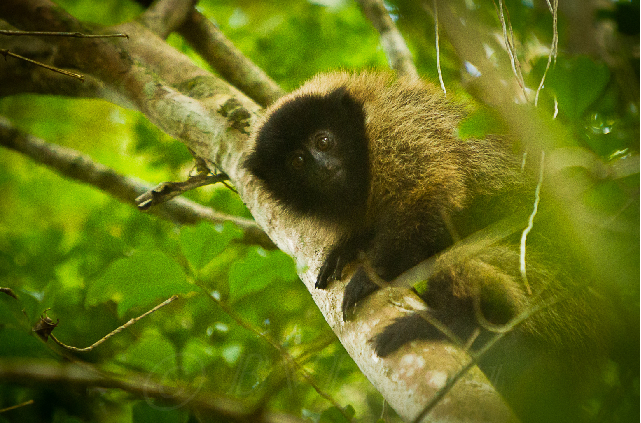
x=425 y=189
x=425 y=167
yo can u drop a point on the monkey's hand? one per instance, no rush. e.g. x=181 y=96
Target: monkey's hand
x=402 y=331
x=346 y=251
x=332 y=269
x=359 y=287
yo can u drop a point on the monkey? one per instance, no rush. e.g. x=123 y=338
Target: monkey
x=380 y=159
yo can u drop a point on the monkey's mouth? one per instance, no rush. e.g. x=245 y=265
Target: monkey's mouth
x=330 y=184
x=335 y=180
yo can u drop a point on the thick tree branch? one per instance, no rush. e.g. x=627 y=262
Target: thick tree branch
x=187 y=102
x=207 y=404
x=227 y=60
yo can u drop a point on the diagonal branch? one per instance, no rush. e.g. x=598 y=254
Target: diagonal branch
x=187 y=102
x=209 y=405
x=164 y=16
x=6 y=53
x=76 y=166
x=227 y=60
x=396 y=50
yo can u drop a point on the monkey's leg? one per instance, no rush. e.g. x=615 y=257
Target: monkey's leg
x=454 y=313
x=457 y=296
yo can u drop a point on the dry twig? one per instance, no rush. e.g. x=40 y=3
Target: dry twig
x=13 y=407
x=6 y=53
x=115 y=331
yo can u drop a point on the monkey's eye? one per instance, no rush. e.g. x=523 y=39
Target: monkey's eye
x=297 y=160
x=323 y=141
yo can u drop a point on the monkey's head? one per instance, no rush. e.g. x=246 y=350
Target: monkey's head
x=311 y=152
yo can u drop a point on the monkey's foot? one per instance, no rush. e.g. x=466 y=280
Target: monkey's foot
x=402 y=331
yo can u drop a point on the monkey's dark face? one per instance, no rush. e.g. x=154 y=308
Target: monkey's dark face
x=312 y=155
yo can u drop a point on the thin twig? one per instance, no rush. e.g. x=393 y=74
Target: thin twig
x=165 y=191
x=115 y=331
x=9 y=292
x=13 y=407
x=61 y=34
x=6 y=53
x=438 y=49
x=284 y=353
x=530 y=224
x=510 y=44
x=553 y=51
x=79 y=167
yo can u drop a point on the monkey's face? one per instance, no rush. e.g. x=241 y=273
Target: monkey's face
x=317 y=163
x=311 y=153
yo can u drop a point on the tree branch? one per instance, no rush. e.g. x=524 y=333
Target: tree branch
x=71 y=164
x=20 y=77
x=398 y=55
x=164 y=16
x=210 y=405
x=212 y=45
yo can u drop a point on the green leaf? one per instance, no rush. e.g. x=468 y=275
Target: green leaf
x=196 y=355
x=577 y=83
x=12 y=311
x=138 y=280
x=152 y=353
x=258 y=269
x=62 y=417
x=232 y=353
x=154 y=412
x=478 y=124
x=334 y=415
x=607 y=197
x=201 y=243
x=18 y=343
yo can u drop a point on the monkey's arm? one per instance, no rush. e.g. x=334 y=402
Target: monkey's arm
x=360 y=285
x=384 y=262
